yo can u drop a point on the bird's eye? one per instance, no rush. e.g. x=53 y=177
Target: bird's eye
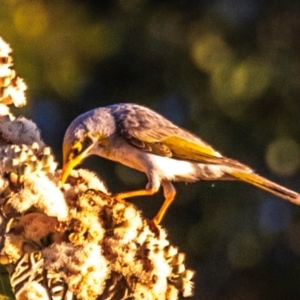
x=88 y=140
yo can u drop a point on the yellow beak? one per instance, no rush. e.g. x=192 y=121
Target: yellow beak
x=67 y=168
x=72 y=163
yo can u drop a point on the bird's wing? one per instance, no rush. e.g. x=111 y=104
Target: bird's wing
x=152 y=133
x=180 y=148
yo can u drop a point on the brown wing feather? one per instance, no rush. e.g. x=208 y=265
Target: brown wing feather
x=155 y=147
x=150 y=132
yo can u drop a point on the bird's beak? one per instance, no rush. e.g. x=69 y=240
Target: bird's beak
x=67 y=168
x=72 y=163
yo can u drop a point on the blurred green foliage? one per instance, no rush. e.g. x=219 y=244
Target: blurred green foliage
x=228 y=71
x=55 y=43
x=5 y=288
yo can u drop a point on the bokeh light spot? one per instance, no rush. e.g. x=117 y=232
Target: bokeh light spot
x=235 y=85
x=31 y=19
x=250 y=79
x=283 y=156
x=210 y=52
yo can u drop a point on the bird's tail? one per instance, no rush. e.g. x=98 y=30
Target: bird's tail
x=266 y=185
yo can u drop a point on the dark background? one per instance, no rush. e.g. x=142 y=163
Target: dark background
x=228 y=71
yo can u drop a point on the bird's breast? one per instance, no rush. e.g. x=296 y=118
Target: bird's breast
x=120 y=151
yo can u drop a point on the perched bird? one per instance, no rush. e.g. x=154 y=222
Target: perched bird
x=140 y=138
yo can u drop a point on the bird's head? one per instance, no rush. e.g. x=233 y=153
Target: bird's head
x=78 y=147
x=87 y=135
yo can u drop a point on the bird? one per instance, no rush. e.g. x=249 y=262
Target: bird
x=142 y=139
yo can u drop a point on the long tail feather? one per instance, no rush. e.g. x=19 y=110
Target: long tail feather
x=267 y=185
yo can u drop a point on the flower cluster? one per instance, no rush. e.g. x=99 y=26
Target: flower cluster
x=12 y=87
x=102 y=248
x=74 y=240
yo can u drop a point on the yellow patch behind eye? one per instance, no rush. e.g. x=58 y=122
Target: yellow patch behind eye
x=76 y=149
x=77 y=146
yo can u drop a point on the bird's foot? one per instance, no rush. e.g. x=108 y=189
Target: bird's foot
x=157 y=219
x=153 y=227
x=119 y=197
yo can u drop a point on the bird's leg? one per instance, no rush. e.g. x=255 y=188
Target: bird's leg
x=169 y=193
x=131 y=194
x=151 y=188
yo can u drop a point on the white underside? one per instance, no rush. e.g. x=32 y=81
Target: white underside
x=173 y=169
x=169 y=168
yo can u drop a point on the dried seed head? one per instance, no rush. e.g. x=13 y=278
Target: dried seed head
x=81 y=242
x=12 y=87
x=23 y=159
